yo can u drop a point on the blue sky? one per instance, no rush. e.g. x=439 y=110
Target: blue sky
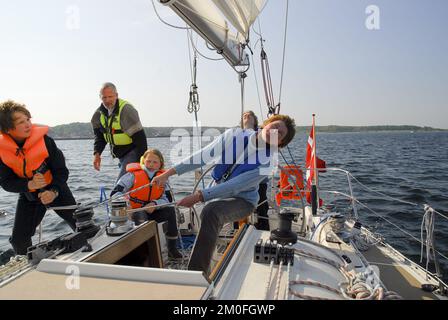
x=335 y=66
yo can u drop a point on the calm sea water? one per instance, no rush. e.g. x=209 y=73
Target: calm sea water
x=410 y=166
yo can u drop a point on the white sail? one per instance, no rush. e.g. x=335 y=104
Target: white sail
x=241 y=13
x=205 y=18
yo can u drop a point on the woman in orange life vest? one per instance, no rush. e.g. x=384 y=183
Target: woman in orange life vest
x=33 y=166
x=140 y=174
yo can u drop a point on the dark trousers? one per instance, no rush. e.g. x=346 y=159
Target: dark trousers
x=29 y=214
x=263 y=208
x=213 y=217
x=128 y=158
x=159 y=215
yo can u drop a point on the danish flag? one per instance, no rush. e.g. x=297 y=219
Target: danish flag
x=311 y=163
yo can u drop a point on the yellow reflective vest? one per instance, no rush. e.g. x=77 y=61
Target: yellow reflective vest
x=113 y=133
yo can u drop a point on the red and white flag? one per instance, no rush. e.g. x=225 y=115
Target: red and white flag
x=310 y=158
x=311 y=163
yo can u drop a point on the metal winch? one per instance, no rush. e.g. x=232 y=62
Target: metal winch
x=119 y=222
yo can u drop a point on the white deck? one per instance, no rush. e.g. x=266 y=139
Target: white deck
x=245 y=279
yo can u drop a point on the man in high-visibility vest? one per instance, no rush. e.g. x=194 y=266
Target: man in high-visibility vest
x=116 y=122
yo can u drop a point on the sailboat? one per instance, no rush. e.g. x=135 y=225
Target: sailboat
x=312 y=252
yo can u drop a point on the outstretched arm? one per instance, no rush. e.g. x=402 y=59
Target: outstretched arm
x=207 y=155
x=232 y=188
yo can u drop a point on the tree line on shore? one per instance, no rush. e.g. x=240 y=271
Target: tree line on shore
x=83 y=130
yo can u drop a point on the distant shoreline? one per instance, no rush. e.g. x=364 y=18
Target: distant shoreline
x=83 y=130
x=298 y=130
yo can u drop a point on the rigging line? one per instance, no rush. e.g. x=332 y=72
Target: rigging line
x=396 y=226
x=259 y=28
x=268 y=283
x=95 y=204
x=256 y=44
x=255 y=72
x=292 y=158
x=382 y=194
x=209 y=47
x=189 y=56
x=255 y=31
x=201 y=54
x=428 y=226
x=258 y=90
x=288 y=164
x=288 y=274
x=392 y=198
x=168 y=24
x=440 y=214
x=269 y=90
x=284 y=52
x=242 y=77
x=195 y=108
x=265 y=73
x=284 y=159
x=279 y=277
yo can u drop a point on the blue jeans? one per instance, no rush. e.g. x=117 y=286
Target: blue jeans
x=214 y=215
x=128 y=158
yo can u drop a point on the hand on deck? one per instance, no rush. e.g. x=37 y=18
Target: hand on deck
x=97 y=161
x=191 y=200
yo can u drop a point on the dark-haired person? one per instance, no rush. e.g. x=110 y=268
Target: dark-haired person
x=244 y=159
x=32 y=165
x=116 y=122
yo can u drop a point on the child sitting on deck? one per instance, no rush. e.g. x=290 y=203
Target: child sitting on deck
x=141 y=174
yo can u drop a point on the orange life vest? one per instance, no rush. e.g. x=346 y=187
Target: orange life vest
x=290 y=190
x=30 y=158
x=142 y=197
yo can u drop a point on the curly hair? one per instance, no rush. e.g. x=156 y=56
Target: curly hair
x=290 y=126
x=7 y=110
